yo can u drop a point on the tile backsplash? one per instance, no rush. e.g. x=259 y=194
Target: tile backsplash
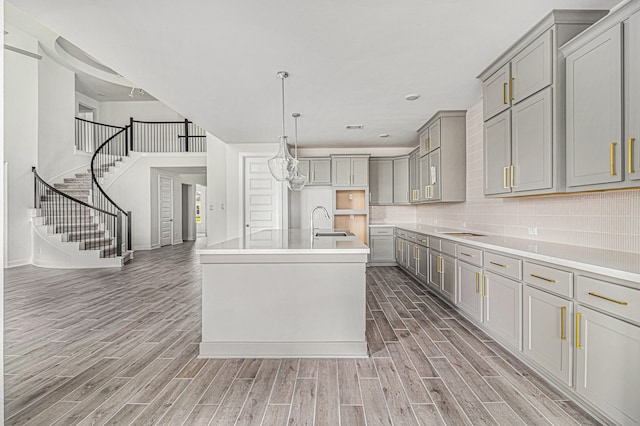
x=608 y=220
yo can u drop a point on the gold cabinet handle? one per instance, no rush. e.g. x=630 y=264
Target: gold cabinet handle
x=607 y=299
x=484 y=279
x=630 y=161
x=504 y=93
x=415 y=252
x=466 y=254
x=511 y=88
x=504 y=178
x=578 y=331
x=498 y=264
x=477 y=282
x=612 y=162
x=543 y=278
x=423 y=241
x=511 y=175
x=563 y=313
x=438 y=269
x=441 y=268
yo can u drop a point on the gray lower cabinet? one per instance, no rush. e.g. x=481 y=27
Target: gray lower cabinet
x=547 y=332
x=502 y=309
x=448 y=280
x=382 y=249
x=435 y=274
x=401 y=180
x=497 y=154
x=381 y=181
x=608 y=371
x=422 y=270
x=594 y=111
x=469 y=289
x=400 y=252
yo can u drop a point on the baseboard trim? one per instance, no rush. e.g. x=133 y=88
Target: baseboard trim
x=176 y=242
x=283 y=350
x=144 y=247
x=15 y=263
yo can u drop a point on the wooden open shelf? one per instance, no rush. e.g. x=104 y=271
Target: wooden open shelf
x=357 y=201
x=357 y=225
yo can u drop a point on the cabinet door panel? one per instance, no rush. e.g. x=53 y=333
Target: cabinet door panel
x=531 y=142
x=381 y=181
x=360 y=170
x=341 y=171
x=594 y=111
x=414 y=177
x=547 y=319
x=401 y=181
x=448 y=283
x=435 y=278
x=469 y=295
x=495 y=94
x=422 y=271
x=608 y=371
x=503 y=315
x=412 y=257
x=382 y=249
x=320 y=171
x=632 y=95
x=434 y=135
x=424 y=178
x=303 y=167
x=531 y=68
x=497 y=154
x=435 y=175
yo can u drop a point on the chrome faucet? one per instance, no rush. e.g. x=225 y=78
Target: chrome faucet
x=313 y=212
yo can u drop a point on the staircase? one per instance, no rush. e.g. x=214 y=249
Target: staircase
x=70 y=232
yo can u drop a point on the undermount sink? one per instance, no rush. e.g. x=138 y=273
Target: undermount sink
x=463 y=234
x=331 y=234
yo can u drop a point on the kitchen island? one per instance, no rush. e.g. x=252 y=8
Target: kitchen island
x=283 y=293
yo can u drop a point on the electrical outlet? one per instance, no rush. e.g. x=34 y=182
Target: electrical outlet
x=532 y=230
x=464 y=224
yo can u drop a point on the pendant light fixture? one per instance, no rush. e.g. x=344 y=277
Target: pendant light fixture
x=298 y=180
x=282 y=165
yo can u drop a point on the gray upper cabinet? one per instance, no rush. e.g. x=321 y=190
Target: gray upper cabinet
x=317 y=170
x=497 y=154
x=603 y=103
x=524 y=106
x=401 y=180
x=414 y=176
x=350 y=170
x=441 y=173
x=531 y=68
x=594 y=111
x=495 y=98
x=632 y=89
x=531 y=143
x=380 y=181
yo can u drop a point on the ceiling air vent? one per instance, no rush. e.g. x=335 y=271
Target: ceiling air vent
x=354 y=126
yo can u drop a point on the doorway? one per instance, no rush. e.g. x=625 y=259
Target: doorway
x=188 y=213
x=165 y=197
x=262 y=197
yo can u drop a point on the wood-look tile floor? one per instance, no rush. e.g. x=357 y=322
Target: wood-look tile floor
x=120 y=347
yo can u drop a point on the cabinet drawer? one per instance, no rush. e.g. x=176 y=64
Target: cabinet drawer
x=422 y=240
x=553 y=280
x=448 y=247
x=435 y=243
x=411 y=236
x=469 y=254
x=378 y=230
x=613 y=298
x=401 y=233
x=503 y=265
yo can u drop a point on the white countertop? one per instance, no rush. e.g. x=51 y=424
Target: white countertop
x=617 y=264
x=284 y=241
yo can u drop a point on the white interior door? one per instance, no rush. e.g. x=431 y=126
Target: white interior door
x=165 y=196
x=262 y=197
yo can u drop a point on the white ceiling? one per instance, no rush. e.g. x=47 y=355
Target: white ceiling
x=351 y=62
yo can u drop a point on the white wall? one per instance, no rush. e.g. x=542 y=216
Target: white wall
x=20 y=143
x=216 y=206
x=118 y=113
x=90 y=102
x=56 y=125
x=2 y=215
x=135 y=188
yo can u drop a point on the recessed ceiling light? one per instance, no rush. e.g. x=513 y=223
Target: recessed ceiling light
x=412 y=96
x=354 y=126
x=384 y=135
